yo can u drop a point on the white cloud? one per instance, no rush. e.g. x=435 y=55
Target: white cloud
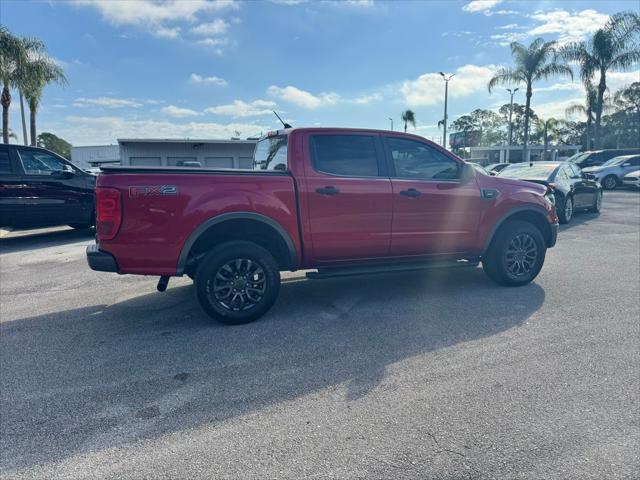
x=428 y=89
x=215 y=44
x=82 y=130
x=568 y=26
x=217 y=27
x=155 y=14
x=240 y=108
x=302 y=98
x=179 y=112
x=366 y=99
x=563 y=86
x=618 y=80
x=108 y=102
x=480 y=6
x=212 y=80
x=555 y=109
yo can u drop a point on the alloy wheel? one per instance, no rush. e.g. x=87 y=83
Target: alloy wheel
x=568 y=209
x=239 y=285
x=521 y=255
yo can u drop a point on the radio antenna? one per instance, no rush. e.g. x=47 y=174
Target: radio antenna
x=285 y=125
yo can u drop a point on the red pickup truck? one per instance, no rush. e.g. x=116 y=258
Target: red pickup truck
x=339 y=201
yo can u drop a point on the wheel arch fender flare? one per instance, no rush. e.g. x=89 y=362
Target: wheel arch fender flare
x=540 y=212
x=207 y=224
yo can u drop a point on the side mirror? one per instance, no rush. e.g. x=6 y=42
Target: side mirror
x=468 y=172
x=66 y=172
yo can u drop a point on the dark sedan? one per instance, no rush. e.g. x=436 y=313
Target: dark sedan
x=40 y=189
x=572 y=189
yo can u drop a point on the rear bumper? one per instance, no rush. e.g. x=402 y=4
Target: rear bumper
x=101 y=261
x=554 y=234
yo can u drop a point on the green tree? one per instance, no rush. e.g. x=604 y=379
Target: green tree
x=538 y=61
x=487 y=122
x=587 y=109
x=408 y=117
x=39 y=71
x=55 y=144
x=628 y=99
x=613 y=47
x=517 y=119
x=11 y=54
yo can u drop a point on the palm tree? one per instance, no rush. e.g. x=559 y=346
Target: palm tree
x=408 y=116
x=32 y=48
x=587 y=109
x=549 y=130
x=39 y=71
x=536 y=62
x=613 y=47
x=11 y=53
x=11 y=135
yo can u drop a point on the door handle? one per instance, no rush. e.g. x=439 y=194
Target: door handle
x=327 y=191
x=412 y=192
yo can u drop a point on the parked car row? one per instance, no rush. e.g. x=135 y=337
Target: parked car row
x=573 y=189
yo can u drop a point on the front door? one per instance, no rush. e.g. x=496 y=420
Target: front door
x=433 y=211
x=11 y=190
x=54 y=196
x=347 y=197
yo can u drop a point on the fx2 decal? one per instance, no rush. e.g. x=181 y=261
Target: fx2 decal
x=152 y=190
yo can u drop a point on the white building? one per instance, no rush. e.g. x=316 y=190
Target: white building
x=171 y=152
x=96 y=155
x=513 y=153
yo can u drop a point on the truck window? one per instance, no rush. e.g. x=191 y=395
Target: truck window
x=413 y=159
x=39 y=163
x=346 y=155
x=5 y=163
x=270 y=154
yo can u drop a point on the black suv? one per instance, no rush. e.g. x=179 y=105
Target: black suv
x=39 y=188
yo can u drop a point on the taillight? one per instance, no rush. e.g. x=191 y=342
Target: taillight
x=108 y=212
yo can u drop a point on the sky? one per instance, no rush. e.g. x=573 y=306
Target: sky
x=217 y=69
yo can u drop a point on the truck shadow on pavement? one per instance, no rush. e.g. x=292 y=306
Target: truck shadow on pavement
x=94 y=378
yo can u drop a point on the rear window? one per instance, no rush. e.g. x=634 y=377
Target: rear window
x=270 y=154
x=540 y=172
x=345 y=155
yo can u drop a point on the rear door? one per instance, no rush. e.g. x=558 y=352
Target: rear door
x=348 y=196
x=11 y=193
x=53 y=197
x=433 y=211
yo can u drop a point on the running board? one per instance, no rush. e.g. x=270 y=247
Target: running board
x=333 y=272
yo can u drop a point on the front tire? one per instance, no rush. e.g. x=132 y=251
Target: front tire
x=565 y=214
x=597 y=203
x=609 y=182
x=237 y=282
x=516 y=254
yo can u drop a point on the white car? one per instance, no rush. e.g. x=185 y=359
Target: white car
x=632 y=180
x=610 y=173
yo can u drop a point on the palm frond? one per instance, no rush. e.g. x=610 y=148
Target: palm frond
x=553 y=69
x=506 y=76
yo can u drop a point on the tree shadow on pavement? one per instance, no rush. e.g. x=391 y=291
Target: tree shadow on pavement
x=89 y=379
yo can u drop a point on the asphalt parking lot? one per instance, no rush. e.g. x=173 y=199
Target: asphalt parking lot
x=439 y=375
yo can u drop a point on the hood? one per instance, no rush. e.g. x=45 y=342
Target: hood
x=537 y=185
x=593 y=169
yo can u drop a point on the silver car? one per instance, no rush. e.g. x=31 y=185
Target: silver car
x=611 y=173
x=632 y=179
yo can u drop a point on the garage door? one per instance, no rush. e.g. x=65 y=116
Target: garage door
x=145 y=161
x=218 y=162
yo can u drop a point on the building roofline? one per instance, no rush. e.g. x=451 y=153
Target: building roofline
x=183 y=140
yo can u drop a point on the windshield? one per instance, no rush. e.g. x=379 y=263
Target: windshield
x=578 y=157
x=614 y=161
x=271 y=154
x=540 y=172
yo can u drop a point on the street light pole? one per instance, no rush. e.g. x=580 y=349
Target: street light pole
x=512 y=93
x=391 y=120
x=446 y=95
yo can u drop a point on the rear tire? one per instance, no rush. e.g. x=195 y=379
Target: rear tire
x=516 y=254
x=237 y=282
x=565 y=214
x=609 y=182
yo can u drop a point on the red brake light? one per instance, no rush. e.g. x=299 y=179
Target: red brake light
x=108 y=212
